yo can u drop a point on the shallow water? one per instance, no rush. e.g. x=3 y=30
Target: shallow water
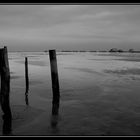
x=99 y=93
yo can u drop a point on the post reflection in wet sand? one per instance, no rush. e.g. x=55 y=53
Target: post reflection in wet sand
x=55 y=118
x=7 y=125
x=26 y=99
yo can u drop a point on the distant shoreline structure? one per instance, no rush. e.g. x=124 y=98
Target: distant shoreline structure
x=71 y=51
x=113 y=50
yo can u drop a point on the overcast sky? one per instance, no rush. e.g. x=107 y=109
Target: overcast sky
x=68 y=27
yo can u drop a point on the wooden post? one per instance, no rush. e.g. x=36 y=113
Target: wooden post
x=26 y=80
x=26 y=74
x=5 y=88
x=55 y=82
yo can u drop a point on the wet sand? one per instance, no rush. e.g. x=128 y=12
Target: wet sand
x=98 y=97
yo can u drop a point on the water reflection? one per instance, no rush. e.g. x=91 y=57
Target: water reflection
x=55 y=109
x=26 y=99
x=7 y=125
x=55 y=118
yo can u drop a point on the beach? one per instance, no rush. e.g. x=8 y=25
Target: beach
x=99 y=94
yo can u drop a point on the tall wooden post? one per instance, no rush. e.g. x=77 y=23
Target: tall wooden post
x=26 y=80
x=26 y=74
x=55 y=82
x=5 y=89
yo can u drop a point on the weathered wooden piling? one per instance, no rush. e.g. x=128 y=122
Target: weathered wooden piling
x=26 y=81
x=5 y=83
x=55 y=82
x=26 y=75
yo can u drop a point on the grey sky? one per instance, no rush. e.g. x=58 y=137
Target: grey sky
x=88 y=27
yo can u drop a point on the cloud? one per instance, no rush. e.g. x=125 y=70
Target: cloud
x=61 y=24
